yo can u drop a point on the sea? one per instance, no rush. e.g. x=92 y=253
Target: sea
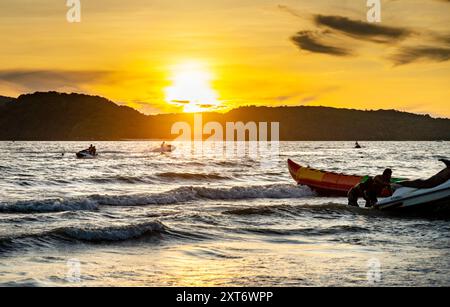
x=136 y=217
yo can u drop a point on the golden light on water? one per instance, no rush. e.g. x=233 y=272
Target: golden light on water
x=191 y=87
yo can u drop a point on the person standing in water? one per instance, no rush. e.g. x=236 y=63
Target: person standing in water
x=370 y=189
x=360 y=190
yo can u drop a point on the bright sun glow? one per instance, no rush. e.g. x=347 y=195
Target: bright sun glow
x=191 y=88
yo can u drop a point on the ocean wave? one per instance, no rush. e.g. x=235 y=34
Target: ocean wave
x=112 y=233
x=261 y=210
x=274 y=191
x=334 y=230
x=50 y=205
x=121 y=179
x=191 y=176
x=179 y=195
x=328 y=210
x=83 y=234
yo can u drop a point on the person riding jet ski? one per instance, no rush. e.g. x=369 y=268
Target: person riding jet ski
x=438 y=179
x=92 y=150
x=87 y=153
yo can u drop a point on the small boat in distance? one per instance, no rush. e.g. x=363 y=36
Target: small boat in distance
x=85 y=154
x=89 y=153
x=165 y=148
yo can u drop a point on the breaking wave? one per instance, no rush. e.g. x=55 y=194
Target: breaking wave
x=179 y=195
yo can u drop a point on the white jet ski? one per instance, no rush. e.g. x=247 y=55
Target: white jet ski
x=85 y=154
x=407 y=199
x=164 y=149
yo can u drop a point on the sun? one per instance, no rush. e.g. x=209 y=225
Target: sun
x=191 y=87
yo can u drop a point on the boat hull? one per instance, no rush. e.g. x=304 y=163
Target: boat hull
x=326 y=183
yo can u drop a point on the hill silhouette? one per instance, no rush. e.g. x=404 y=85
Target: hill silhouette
x=57 y=116
x=5 y=100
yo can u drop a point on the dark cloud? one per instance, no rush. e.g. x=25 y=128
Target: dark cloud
x=445 y=39
x=307 y=40
x=413 y=54
x=50 y=79
x=362 y=30
x=326 y=41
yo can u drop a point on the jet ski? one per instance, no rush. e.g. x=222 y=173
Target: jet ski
x=164 y=149
x=412 y=199
x=430 y=195
x=85 y=154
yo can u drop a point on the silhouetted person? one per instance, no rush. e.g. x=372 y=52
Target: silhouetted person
x=360 y=190
x=370 y=189
x=380 y=183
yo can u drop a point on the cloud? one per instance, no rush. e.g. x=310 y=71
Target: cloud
x=51 y=79
x=413 y=54
x=207 y=106
x=362 y=30
x=291 y=11
x=307 y=40
x=444 y=39
x=308 y=99
x=180 y=101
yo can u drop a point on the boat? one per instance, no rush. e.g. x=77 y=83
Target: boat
x=85 y=154
x=434 y=199
x=328 y=183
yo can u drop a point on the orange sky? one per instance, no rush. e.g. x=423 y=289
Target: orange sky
x=170 y=55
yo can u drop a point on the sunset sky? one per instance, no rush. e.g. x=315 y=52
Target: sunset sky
x=174 y=55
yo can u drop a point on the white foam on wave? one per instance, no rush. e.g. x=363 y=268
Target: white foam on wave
x=179 y=195
x=185 y=194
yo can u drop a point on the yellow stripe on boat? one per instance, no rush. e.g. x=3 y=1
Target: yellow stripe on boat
x=310 y=174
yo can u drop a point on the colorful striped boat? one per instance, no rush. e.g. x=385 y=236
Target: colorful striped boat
x=328 y=183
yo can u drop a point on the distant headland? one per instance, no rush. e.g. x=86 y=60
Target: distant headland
x=53 y=116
